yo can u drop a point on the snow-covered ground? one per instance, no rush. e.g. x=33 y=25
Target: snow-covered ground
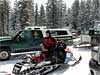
x=80 y=69
x=7 y=66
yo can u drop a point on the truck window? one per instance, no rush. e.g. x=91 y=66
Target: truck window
x=97 y=25
x=26 y=35
x=55 y=33
x=62 y=33
x=37 y=34
x=37 y=37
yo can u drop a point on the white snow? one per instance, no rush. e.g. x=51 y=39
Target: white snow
x=7 y=66
x=81 y=68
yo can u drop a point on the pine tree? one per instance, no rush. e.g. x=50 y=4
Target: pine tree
x=33 y=13
x=81 y=18
x=11 y=22
x=83 y=14
x=4 y=17
x=69 y=18
x=14 y=16
x=52 y=14
x=42 y=16
x=87 y=15
x=61 y=13
x=75 y=12
x=36 y=15
x=23 y=14
x=95 y=10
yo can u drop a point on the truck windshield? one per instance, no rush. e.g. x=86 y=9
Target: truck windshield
x=14 y=34
x=97 y=25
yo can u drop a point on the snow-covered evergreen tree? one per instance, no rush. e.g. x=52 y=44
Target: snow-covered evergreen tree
x=87 y=11
x=4 y=17
x=36 y=16
x=62 y=13
x=23 y=14
x=56 y=12
x=96 y=10
x=52 y=15
x=14 y=16
x=42 y=16
x=69 y=18
x=75 y=13
x=81 y=15
x=87 y=16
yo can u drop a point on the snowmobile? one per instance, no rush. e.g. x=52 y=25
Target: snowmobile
x=38 y=64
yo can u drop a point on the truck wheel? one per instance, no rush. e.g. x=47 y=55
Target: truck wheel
x=4 y=54
x=92 y=72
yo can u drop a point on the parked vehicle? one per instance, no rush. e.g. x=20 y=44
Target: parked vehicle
x=95 y=33
x=74 y=35
x=39 y=64
x=94 y=62
x=29 y=40
x=85 y=39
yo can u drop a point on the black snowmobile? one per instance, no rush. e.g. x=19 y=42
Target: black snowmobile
x=39 y=64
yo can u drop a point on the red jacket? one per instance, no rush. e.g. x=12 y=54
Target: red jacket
x=49 y=42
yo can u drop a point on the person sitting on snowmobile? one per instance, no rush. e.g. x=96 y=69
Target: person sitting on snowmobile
x=48 y=44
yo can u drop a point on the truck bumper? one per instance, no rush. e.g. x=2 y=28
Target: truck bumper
x=94 y=65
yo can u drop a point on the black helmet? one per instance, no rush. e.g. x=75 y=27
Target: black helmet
x=49 y=33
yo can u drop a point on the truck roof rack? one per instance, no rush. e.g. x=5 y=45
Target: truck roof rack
x=36 y=27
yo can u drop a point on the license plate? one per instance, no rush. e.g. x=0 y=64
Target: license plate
x=17 y=68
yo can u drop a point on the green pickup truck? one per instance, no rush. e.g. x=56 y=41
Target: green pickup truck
x=28 y=40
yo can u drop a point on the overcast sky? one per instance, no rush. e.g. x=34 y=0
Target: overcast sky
x=68 y=2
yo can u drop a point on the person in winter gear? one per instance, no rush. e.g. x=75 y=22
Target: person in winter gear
x=48 y=44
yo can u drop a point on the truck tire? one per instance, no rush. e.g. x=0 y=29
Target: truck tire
x=5 y=54
x=92 y=72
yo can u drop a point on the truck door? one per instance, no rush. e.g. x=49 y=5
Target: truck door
x=28 y=40
x=22 y=42
x=37 y=39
